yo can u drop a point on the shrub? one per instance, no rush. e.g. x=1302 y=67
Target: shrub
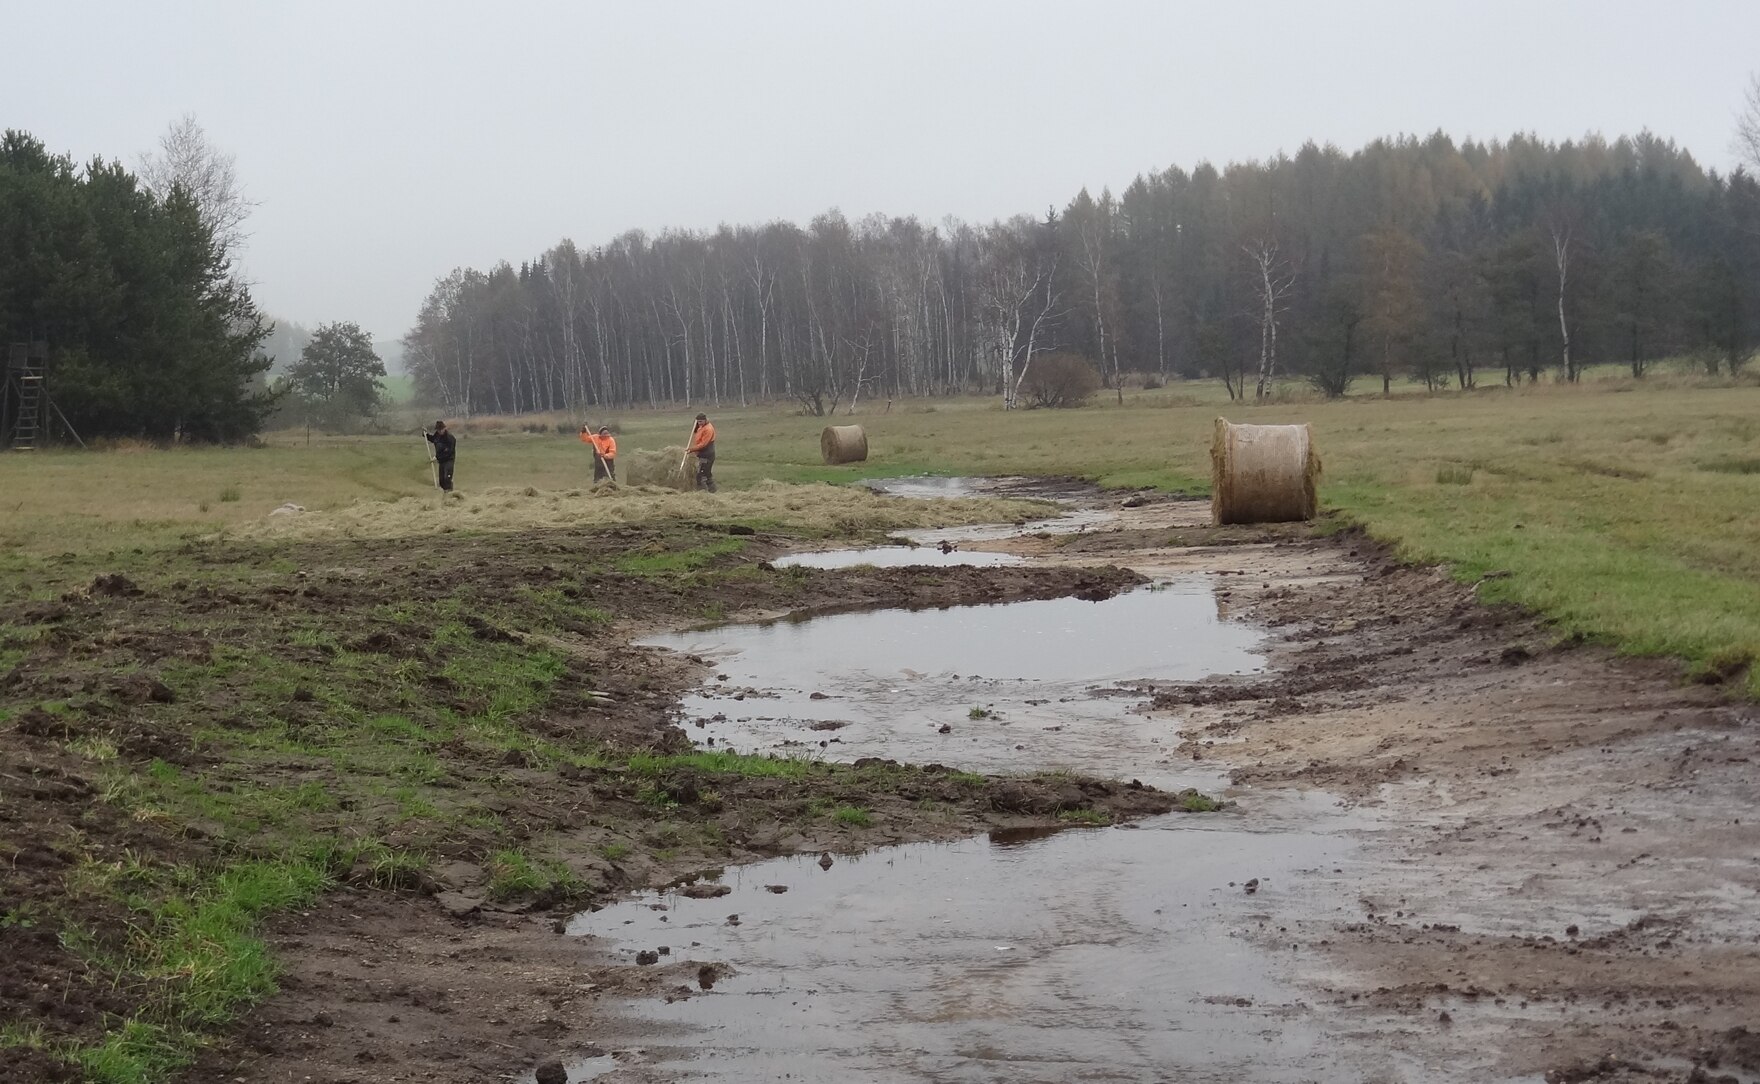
x=1060 y=380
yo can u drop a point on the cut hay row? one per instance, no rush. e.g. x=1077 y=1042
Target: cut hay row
x=821 y=506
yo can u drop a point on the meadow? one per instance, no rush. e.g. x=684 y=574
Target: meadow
x=333 y=696
x=1628 y=514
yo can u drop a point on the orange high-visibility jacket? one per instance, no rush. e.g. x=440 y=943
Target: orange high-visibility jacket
x=703 y=437
x=605 y=445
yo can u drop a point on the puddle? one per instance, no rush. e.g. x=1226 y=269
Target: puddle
x=1090 y=954
x=580 y=1069
x=926 y=488
x=1074 y=521
x=897 y=557
x=998 y=688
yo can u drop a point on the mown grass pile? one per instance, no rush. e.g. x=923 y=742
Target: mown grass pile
x=825 y=509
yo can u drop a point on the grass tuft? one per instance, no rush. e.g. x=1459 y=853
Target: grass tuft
x=852 y=816
x=1093 y=818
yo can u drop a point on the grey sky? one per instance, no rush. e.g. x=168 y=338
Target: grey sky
x=388 y=143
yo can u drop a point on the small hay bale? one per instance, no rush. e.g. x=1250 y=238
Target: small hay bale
x=1263 y=473
x=647 y=467
x=843 y=444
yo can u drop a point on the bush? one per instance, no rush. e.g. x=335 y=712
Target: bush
x=1060 y=380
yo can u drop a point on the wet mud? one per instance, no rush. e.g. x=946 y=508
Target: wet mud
x=1455 y=849
x=1528 y=860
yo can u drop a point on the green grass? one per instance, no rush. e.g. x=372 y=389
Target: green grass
x=199 y=948
x=513 y=874
x=690 y=560
x=852 y=816
x=720 y=763
x=1199 y=803
x=1093 y=818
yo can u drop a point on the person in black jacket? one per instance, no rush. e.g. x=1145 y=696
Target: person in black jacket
x=445 y=449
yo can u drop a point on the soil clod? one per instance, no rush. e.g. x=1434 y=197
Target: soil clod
x=551 y=1071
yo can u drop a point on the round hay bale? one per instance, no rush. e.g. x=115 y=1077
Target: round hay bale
x=843 y=444
x=1263 y=473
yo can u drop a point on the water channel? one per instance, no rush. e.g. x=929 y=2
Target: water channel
x=1109 y=954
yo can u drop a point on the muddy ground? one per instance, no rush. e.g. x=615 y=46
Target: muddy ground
x=1517 y=784
x=454 y=727
x=1520 y=783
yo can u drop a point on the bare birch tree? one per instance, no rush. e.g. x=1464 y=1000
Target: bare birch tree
x=186 y=159
x=1561 y=258
x=1747 y=141
x=1272 y=282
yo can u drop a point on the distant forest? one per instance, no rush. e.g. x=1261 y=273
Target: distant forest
x=1409 y=260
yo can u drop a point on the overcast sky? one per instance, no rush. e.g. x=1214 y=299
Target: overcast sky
x=388 y=143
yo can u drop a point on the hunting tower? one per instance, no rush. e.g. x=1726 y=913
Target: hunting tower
x=25 y=406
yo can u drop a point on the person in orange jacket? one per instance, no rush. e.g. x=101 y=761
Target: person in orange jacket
x=604 y=447
x=703 y=447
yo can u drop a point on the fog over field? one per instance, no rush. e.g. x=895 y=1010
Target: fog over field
x=880 y=541
x=389 y=143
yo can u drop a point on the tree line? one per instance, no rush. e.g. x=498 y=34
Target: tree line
x=1410 y=259
x=130 y=283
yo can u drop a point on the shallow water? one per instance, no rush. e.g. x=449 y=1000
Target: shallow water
x=926 y=487
x=1088 y=954
x=1075 y=521
x=897 y=557
x=1012 y=683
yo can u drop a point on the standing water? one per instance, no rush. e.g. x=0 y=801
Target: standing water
x=999 y=688
x=1091 y=954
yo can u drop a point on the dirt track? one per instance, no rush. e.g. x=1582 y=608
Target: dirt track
x=1561 y=872
x=1565 y=870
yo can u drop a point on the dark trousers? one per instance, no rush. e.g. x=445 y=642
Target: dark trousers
x=604 y=468
x=443 y=467
x=706 y=470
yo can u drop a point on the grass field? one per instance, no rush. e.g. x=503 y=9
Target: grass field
x=349 y=727
x=1629 y=515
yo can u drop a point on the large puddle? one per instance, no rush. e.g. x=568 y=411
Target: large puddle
x=1000 y=688
x=1121 y=954
x=1089 y=954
